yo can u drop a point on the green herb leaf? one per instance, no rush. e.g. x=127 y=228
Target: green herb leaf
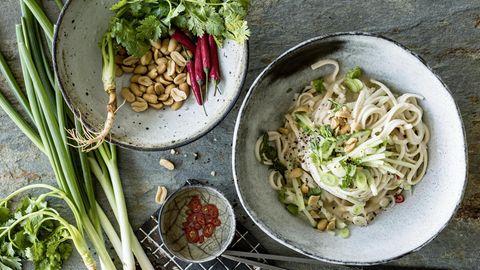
x=336 y=105
x=354 y=73
x=314 y=191
x=318 y=85
x=292 y=209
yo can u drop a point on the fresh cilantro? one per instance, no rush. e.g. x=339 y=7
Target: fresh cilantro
x=268 y=151
x=318 y=85
x=336 y=105
x=37 y=238
x=292 y=209
x=137 y=22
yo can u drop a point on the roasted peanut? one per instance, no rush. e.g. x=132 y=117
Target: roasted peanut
x=164 y=47
x=178 y=58
x=146 y=58
x=349 y=147
x=139 y=106
x=157 y=54
x=178 y=95
x=334 y=123
x=143 y=88
x=295 y=173
x=161 y=195
x=156 y=106
x=283 y=130
x=163 y=97
x=134 y=78
x=169 y=88
x=167 y=164
x=331 y=225
x=140 y=69
x=322 y=224
x=150 y=98
x=127 y=69
x=169 y=101
x=176 y=105
x=167 y=77
x=151 y=67
x=161 y=68
x=161 y=80
x=184 y=87
x=172 y=45
x=161 y=60
x=304 y=188
x=118 y=71
x=180 y=78
x=144 y=80
x=119 y=59
x=159 y=88
x=136 y=89
x=189 y=82
x=156 y=44
x=152 y=74
x=171 y=68
x=130 y=61
x=178 y=48
x=179 y=69
x=127 y=94
x=151 y=90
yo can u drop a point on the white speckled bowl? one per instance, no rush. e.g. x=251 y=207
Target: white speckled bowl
x=78 y=63
x=404 y=228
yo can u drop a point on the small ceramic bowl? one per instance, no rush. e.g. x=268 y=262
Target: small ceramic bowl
x=78 y=67
x=404 y=228
x=174 y=213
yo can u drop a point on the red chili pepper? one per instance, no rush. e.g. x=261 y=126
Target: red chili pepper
x=399 y=198
x=204 y=48
x=217 y=222
x=192 y=235
x=208 y=230
x=199 y=76
x=215 y=65
x=184 y=40
x=197 y=91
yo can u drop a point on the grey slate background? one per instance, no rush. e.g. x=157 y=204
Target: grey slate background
x=445 y=33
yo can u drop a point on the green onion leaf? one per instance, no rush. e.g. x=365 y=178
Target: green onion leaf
x=344 y=233
x=354 y=73
x=354 y=85
x=329 y=179
x=361 y=180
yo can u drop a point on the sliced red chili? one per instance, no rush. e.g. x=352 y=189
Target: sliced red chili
x=201 y=239
x=192 y=235
x=210 y=210
x=208 y=230
x=217 y=222
x=209 y=219
x=399 y=198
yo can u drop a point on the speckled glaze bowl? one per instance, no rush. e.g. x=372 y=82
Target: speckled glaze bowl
x=173 y=214
x=78 y=66
x=398 y=231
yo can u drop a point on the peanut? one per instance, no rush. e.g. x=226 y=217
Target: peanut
x=150 y=98
x=171 y=68
x=139 y=106
x=157 y=54
x=118 y=71
x=151 y=67
x=145 y=59
x=163 y=97
x=159 y=88
x=167 y=164
x=180 y=78
x=178 y=58
x=168 y=102
x=127 y=94
x=184 y=87
x=144 y=80
x=140 y=69
x=161 y=195
x=134 y=78
x=176 y=105
x=156 y=106
x=152 y=74
x=167 y=77
x=164 y=47
x=172 y=45
x=178 y=95
x=295 y=173
x=156 y=44
x=161 y=67
x=130 y=61
x=161 y=80
x=169 y=88
x=127 y=69
x=322 y=224
x=136 y=89
x=151 y=90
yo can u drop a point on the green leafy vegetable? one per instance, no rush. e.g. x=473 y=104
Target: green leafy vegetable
x=137 y=22
x=336 y=105
x=354 y=73
x=354 y=85
x=293 y=209
x=304 y=122
x=270 y=152
x=314 y=191
x=318 y=85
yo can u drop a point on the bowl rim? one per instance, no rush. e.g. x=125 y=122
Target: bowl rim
x=230 y=209
x=253 y=87
x=120 y=142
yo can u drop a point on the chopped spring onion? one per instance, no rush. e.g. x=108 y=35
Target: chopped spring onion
x=309 y=217
x=354 y=73
x=357 y=209
x=329 y=179
x=299 y=196
x=354 y=85
x=344 y=233
x=361 y=180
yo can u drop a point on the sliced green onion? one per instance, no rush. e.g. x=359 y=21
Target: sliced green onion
x=354 y=73
x=344 y=233
x=354 y=85
x=298 y=194
x=361 y=180
x=357 y=209
x=329 y=179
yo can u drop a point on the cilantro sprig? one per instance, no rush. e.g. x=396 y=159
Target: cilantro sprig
x=137 y=22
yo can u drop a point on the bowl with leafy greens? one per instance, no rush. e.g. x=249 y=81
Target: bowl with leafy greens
x=150 y=75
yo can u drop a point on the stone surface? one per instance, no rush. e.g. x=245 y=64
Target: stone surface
x=445 y=33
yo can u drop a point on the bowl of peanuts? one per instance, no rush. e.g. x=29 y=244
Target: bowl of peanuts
x=157 y=109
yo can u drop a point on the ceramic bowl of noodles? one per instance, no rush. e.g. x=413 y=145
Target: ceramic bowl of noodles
x=341 y=149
